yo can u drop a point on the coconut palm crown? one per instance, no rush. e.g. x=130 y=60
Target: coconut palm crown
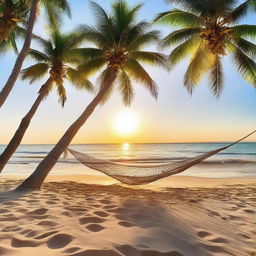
x=208 y=31
x=12 y=14
x=57 y=60
x=118 y=40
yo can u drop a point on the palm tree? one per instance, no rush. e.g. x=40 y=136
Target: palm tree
x=209 y=30
x=118 y=39
x=54 y=61
x=53 y=8
x=12 y=13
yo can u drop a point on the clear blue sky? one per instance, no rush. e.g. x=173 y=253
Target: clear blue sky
x=174 y=117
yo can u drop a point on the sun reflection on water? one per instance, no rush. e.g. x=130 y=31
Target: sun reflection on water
x=125 y=146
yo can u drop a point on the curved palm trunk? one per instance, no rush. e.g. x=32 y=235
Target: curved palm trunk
x=22 y=55
x=20 y=132
x=36 y=179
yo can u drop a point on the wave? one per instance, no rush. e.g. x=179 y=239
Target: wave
x=162 y=160
x=32 y=152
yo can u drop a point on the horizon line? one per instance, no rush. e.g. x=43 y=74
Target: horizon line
x=91 y=143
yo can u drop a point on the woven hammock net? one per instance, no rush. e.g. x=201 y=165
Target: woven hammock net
x=138 y=175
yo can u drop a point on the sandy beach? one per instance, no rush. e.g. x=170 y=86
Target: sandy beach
x=178 y=216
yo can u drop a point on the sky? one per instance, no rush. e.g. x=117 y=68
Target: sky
x=174 y=117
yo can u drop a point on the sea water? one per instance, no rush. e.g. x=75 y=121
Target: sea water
x=237 y=161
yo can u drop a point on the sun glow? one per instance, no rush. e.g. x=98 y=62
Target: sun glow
x=125 y=146
x=126 y=123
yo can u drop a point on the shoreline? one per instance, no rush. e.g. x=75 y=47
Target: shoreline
x=172 y=181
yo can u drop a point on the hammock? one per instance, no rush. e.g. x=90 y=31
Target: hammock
x=138 y=175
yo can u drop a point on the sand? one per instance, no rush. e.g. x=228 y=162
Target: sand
x=174 y=217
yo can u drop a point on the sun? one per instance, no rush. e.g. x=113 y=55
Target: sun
x=126 y=123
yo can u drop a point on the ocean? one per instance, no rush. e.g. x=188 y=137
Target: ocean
x=237 y=161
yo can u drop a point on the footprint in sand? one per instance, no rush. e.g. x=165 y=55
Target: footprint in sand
x=40 y=211
x=126 y=224
x=17 y=243
x=203 y=234
x=2 y=211
x=87 y=220
x=249 y=211
x=72 y=250
x=94 y=227
x=59 y=241
x=11 y=229
x=105 y=201
x=128 y=250
x=211 y=238
x=47 y=223
x=92 y=221
x=101 y=213
x=96 y=253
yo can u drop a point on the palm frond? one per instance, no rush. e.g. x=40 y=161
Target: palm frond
x=177 y=17
x=239 y=12
x=245 y=65
x=179 y=36
x=78 y=79
x=123 y=15
x=38 y=56
x=92 y=35
x=90 y=67
x=207 y=6
x=61 y=93
x=246 y=46
x=247 y=31
x=198 y=66
x=104 y=22
x=184 y=50
x=125 y=87
x=85 y=53
x=34 y=72
x=107 y=80
x=216 y=76
x=138 y=73
x=54 y=10
x=153 y=58
x=143 y=39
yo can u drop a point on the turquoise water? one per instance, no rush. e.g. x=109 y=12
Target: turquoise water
x=237 y=161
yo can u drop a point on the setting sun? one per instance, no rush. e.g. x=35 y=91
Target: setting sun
x=126 y=123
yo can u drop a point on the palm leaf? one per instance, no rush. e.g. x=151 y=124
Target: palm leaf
x=198 y=66
x=246 y=46
x=179 y=36
x=184 y=50
x=38 y=56
x=78 y=79
x=61 y=93
x=239 y=12
x=138 y=73
x=90 y=67
x=247 y=31
x=153 y=58
x=178 y=17
x=143 y=39
x=106 y=79
x=34 y=72
x=216 y=76
x=245 y=65
x=126 y=88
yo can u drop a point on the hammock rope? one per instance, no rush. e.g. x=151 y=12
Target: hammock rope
x=138 y=175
